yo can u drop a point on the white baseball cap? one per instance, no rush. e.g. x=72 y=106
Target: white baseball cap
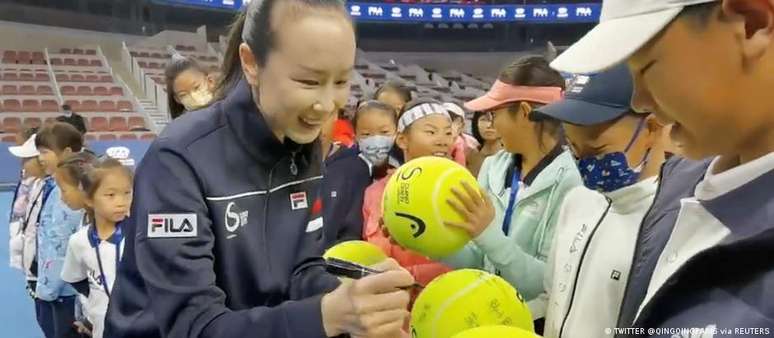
x=624 y=27
x=25 y=150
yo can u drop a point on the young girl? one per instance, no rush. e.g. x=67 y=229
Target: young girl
x=464 y=144
x=393 y=94
x=424 y=129
x=103 y=187
x=488 y=138
x=375 y=128
x=189 y=87
x=25 y=191
x=512 y=226
x=55 y=298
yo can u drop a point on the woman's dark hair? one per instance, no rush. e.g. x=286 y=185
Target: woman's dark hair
x=474 y=128
x=27 y=133
x=253 y=26
x=373 y=105
x=176 y=66
x=700 y=13
x=58 y=136
x=86 y=171
x=535 y=71
x=394 y=86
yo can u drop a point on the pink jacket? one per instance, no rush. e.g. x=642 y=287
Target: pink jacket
x=461 y=146
x=423 y=269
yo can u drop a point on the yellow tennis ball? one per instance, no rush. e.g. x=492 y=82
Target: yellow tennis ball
x=359 y=252
x=415 y=206
x=465 y=299
x=498 y=331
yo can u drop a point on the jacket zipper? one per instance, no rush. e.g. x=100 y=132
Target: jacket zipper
x=637 y=249
x=580 y=267
x=293 y=166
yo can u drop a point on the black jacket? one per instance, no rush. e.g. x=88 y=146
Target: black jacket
x=346 y=178
x=221 y=241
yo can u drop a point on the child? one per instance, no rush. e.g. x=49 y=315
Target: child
x=29 y=180
x=587 y=273
x=488 y=139
x=55 y=298
x=703 y=255
x=393 y=94
x=424 y=129
x=463 y=143
x=104 y=188
x=375 y=128
x=189 y=87
x=512 y=226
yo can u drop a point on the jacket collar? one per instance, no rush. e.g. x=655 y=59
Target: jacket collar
x=253 y=132
x=548 y=177
x=629 y=199
x=748 y=210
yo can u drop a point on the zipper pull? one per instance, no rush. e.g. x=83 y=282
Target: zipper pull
x=293 y=166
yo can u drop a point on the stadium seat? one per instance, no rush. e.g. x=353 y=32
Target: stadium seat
x=107 y=106
x=32 y=122
x=32 y=106
x=23 y=57
x=77 y=51
x=9 y=90
x=49 y=120
x=106 y=78
x=92 y=78
x=89 y=106
x=10 y=77
x=107 y=137
x=12 y=125
x=8 y=138
x=62 y=78
x=127 y=137
x=117 y=91
x=67 y=90
x=101 y=91
x=26 y=77
x=27 y=90
x=66 y=51
x=137 y=123
x=149 y=136
x=9 y=56
x=153 y=65
x=98 y=124
x=83 y=91
x=11 y=105
x=90 y=137
x=118 y=123
x=49 y=106
x=38 y=58
x=125 y=106
x=95 y=63
x=70 y=62
x=134 y=54
x=42 y=77
x=144 y=54
x=56 y=62
x=74 y=104
x=142 y=64
x=83 y=62
x=156 y=55
x=77 y=78
x=91 y=52
x=45 y=90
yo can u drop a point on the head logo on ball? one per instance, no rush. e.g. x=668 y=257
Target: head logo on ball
x=418 y=225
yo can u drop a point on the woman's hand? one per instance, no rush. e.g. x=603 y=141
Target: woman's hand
x=475 y=207
x=375 y=306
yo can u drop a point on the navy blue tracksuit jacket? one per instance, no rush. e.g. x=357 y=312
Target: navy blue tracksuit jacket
x=222 y=241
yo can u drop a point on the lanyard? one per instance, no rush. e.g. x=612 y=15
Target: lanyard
x=511 y=201
x=118 y=236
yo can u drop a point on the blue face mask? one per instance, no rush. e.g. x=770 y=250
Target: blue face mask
x=376 y=148
x=610 y=172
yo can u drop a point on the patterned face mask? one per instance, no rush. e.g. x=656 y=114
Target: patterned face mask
x=610 y=172
x=376 y=148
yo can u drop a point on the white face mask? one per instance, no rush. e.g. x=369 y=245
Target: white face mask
x=196 y=100
x=376 y=148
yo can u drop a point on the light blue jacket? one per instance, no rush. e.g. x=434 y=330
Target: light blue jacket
x=520 y=257
x=57 y=223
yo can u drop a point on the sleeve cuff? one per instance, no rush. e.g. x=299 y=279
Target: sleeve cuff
x=492 y=240
x=304 y=317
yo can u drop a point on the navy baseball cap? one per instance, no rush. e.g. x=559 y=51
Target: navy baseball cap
x=594 y=99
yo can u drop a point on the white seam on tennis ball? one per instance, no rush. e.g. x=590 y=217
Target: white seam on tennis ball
x=436 y=190
x=458 y=295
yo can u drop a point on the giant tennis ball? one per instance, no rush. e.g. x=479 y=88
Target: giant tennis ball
x=465 y=299
x=498 y=331
x=359 y=252
x=415 y=206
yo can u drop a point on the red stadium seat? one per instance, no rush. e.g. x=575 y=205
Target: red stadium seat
x=8 y=138
x=106 y=78
x=74 y=104
x=9 y=57
x=77 y=78
x=12 y=105
x=117 y=91
x=42 y=77
x=125 y=106
x=70 y=62
x=56 y=61
x=107 y=137
x=9 y=90
x=134 y=54
x=101 y=91
x=91 y=52
x=10 y=77
x=32 y=106
x=32 y=122
x=95 y=63
x=118 y=123
x=136 y=123
x=98 y=124
x=90 y=137
x=12 y=124
x=66 y=51
x=49 y=120
x=144 y=54
x=23 y=57
x=77 y=51
x=89 y=106
x=149 y=136
x=49 y=106
x=127 y=137
x=27 y=90
x=26 y=77
x=142 y=64
x=45 y=90
x=92 y=78
x=38 y=56
x=67 y=90
x=83 y=62
x=107 y=106
x=83 y=91
x=62 y=78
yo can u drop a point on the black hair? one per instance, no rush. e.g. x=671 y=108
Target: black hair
x=373 y=105
x=66 y=107
x=176 y=66
x=86 y=170
x=28 y=132
x=253 y=26
x=535 y=71
x=394 y=86
x=474 y=128
x=700 y=13
x=58 y=136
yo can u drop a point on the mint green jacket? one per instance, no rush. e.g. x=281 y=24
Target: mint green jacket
x=520 y=257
